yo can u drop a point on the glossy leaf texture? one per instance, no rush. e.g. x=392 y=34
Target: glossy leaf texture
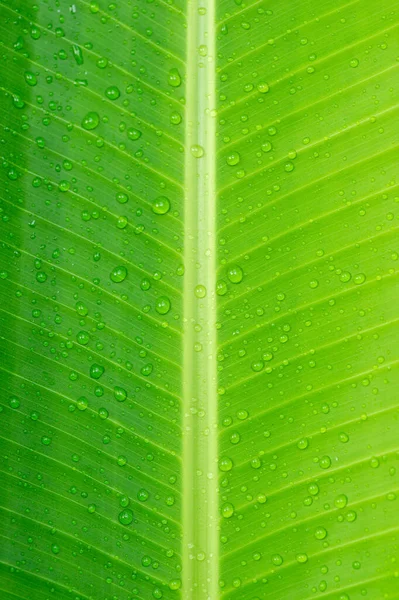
x=99 y=104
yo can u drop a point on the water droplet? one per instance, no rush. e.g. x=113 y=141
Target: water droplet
x=122 y=198
x=263 y=88
x=235 y=274
x=341 y=501
x=221 y=287
x=96 y=371
x=345 y=277
x=82 y=403
x=133 y=134
x=257 y=365
x=41 y=276
x=118 y=274
x=266 y=146
x=174 y=78
x=146 y=370
x=161 y=205
x=197 y=151
x=112 y=92
x=124 y=501
x=303 y=444
x=120 y=394
x=325 y=462
x=163 y=305
x=200 y=291
x=256 y=463
x=277 y=560
x=359 y=278
x=55 y=549
x=351 y=516
x=320 y=533
x=227 y=510
x=142 y=495
x=91 y=121
x=302 y=558
x=125 y=517
x=30 y=78
x=235 y=437
x=175 y=118
x=175 y=584
x=233 y=159
x=225 y=464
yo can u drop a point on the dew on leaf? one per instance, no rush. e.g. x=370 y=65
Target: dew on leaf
x=125 y=516
x=96 y=371
x=162 y=305
x=320 y=533
x=30 y=78
x=266 y=146
x=91 y=121
x=233 y=159
x=325 y=462
x=124 y=501
x=175 y=584
x=302 y=558
x=120 y=394
x=256 y=463
x=263 y=88
x=133 y=134
x=41 y=276
x=118 y=274
x=359 y=278
x=257 y=365
x=161 y=205
x=142 y=495
x=200 y=291
x=341 y=501
x=122 y=198
x=303 y=444
x=112 y=92
x=174 y=78
x=175 y=118
x=82 y=403
x=197 y=151
x=225 y=464
x=221 y=287
x=235 y=274
x=227 y=510
x=146 y=370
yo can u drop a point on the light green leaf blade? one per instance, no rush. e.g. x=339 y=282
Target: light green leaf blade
x=198 y=285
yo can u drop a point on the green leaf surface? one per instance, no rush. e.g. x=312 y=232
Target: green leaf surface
x=198 y=300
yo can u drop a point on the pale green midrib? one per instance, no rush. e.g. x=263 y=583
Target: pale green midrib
x=200 y=574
